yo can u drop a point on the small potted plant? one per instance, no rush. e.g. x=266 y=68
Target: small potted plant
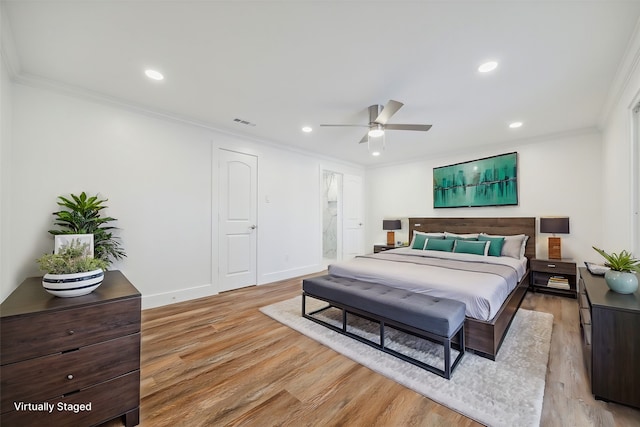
x=622 y=276
x=71 y=272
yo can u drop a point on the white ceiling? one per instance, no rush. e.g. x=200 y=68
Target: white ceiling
x=286 y=64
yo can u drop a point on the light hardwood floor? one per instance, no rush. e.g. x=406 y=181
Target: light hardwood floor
x=218 y=361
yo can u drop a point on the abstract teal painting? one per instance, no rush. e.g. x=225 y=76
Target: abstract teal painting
x=491 y=181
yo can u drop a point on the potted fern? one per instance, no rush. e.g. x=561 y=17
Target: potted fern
x=621 y=277
x=72 y=271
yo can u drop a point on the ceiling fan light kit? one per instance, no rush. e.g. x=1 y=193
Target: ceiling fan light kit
x=375 y=144
x=378 y=118
x=376 y=131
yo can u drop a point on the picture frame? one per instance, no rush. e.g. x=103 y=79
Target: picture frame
x=62 y=240
x=489 y=181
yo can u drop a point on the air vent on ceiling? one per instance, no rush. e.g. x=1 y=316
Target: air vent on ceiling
x=244 y=122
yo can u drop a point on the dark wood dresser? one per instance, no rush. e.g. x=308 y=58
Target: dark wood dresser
x=610 y=324
x=70 y=361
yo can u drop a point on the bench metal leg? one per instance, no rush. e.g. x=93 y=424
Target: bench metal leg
x=447 y=358
x=304 y=300
x=461 y=351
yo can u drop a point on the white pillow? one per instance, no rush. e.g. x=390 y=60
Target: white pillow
x=448 y=235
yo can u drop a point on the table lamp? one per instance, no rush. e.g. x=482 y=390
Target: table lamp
x=554 y=225
x=391 y=224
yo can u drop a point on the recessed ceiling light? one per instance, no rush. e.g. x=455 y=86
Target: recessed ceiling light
x=515 y=125
x=153 y=74
x=375 y=153
x=307 y=129
x=488 y=66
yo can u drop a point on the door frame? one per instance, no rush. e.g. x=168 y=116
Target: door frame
x=339 y=216
x=341 y=220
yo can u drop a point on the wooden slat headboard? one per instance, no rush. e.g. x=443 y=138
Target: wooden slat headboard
x=500 y=226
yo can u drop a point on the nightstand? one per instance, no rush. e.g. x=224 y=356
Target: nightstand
x=382 y=248
x=554 y=276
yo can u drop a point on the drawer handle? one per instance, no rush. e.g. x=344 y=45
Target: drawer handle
x=69 y=377
x=551 y=265
x=71 y=332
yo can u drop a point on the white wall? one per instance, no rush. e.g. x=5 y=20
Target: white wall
x=289 y=213
x=617 y=155
x=557 y=176
x=156 y=175
x=160 y=177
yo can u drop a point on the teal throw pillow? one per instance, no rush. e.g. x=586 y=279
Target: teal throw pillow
x=419 y=241
x=469 y=247
x=440 y=245
x=495 y=247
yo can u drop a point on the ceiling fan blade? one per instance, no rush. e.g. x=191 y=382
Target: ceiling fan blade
x=364 y=139
x=389 y=110
x=408 y=127
x=359 y=126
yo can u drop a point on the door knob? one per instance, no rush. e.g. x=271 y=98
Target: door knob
x=253 y=227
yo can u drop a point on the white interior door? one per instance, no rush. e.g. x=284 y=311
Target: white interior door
x=353 y=222
x=237 y=253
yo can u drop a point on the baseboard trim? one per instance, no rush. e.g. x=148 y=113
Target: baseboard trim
x=181 y=295
x=288 y=274
x=166 y=298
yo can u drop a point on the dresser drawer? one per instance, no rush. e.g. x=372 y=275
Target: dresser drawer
x=108 y=400
x=584 y=301
x=553 y=267
x=30 y=336
x=55 y=375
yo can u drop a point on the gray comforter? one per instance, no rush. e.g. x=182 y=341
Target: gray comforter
x=482 y=283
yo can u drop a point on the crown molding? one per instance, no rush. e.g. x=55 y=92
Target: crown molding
x=626 y=70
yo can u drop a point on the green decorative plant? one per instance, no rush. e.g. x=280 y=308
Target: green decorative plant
x=71 y=258
x=82 y=215
x=624 y=261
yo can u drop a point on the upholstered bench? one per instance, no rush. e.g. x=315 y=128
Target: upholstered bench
x=436 y=319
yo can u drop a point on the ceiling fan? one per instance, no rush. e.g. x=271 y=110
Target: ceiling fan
x=378 y=118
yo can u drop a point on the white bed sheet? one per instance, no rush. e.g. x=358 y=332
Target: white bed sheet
x=483 y=293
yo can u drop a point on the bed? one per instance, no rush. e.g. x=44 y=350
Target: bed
x=498 y=287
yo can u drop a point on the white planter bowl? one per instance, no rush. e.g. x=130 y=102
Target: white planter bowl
x=72 y=285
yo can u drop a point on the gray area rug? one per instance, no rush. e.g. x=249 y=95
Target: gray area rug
x=507 y=392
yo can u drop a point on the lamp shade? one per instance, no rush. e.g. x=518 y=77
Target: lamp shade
x=554 y=224
x=391 y=224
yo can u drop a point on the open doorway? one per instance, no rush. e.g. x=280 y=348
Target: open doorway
x=331 y=217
